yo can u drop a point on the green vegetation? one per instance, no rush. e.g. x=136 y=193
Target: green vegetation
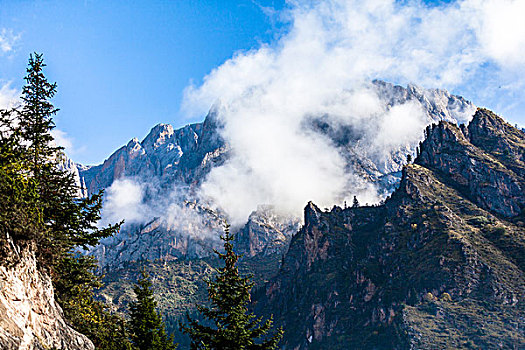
x=179 y=285
x=233 y=326
x=146 y=328
x=40 y=211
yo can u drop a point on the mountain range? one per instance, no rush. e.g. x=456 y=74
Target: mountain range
x=171 y=164
x=437 y=264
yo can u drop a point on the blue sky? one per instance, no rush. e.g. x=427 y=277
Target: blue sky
x=123 y=66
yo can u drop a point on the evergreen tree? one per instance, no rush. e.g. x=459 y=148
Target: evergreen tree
x=146 y=327
x=69 y=221
x=234 y=328
x=35 y=117
x=40 y=210
x=20 y=216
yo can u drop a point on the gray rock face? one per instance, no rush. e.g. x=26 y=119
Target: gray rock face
x=211 y=151
x=481 y=172
x=439 y=104
x=266 y=232
x=192 y=231
x=157 y=156
x=436 y=105
x=31 y=318
x=188 y=154
x=66 y=164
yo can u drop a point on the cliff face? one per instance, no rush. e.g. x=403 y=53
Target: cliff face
x=193 y=232
x=485 y=161
x=31 y=318
x=266 y=233
x=440 y=265
x=156 y=156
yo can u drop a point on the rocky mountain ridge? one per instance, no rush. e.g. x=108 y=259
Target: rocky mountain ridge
x=437 y=266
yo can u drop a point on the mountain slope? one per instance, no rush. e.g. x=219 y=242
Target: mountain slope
x=440 y=265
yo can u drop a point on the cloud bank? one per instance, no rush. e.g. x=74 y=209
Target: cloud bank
x=323 y=66
x=141 y=201
x=124 y=200
x=321 y=70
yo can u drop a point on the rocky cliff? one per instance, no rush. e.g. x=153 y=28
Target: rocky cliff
x=156 y=156
x=187 y=154
x=266 y=233
x=192 y=232
x=439 y=265
x=31 y=318
x=485 y=160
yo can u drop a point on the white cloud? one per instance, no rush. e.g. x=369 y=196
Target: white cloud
x=323 y=67
x=501 y=30
x=9 y=97
x=62 y=139
x=8 y=40
x=138 y=201
x=124 y=200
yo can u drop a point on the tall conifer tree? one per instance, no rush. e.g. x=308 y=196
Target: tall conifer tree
x=35 y=117
x=234 y=328
x=41 y=210
x=146 y=327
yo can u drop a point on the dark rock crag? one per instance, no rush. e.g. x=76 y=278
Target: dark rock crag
x=439 y=265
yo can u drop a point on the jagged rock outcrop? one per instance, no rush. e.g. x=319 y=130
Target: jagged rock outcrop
x=31 y=318
x=439 y=104
x=191 y=231
x=187 y=155
x=361 y=157
x=211 y=151
x=493 y=135
x=66 y=164
x=486 y=164
x=266 y=232
x=157 y=156
x=436 y=266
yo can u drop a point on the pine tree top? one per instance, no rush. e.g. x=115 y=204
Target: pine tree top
x=146 y=326
x=229 y=324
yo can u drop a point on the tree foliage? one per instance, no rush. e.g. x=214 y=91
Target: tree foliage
x=20 y=216
x=146 y=327
x=231 y=326
x=40 y=210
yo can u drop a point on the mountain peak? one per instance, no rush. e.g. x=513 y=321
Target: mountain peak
x=158 y=135
x=492 y=149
